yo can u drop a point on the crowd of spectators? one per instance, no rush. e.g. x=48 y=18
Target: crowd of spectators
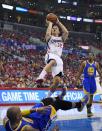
x=20 y=64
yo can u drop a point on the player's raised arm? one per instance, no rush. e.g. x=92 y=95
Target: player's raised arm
x=48 y=31
x=65 y=32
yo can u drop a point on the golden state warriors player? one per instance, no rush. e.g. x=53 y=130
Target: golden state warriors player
x=88 y=69
x=56 y=35
x=40 y=116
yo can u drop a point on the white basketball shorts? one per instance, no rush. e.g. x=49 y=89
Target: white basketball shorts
x=59 y=63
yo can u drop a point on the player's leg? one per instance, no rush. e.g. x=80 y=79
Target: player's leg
x=57 y=73
x=89 y=89
x=86 y=88
x=92 y=92
x=50 y=61
x=56 y=82
x=57 y=103
x=63 y=91
x=89 y=105
x=46 y=69
x=49 y=100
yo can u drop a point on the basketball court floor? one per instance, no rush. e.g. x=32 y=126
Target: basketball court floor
x=71 y=120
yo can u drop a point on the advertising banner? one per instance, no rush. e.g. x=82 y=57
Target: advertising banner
x=35 y=96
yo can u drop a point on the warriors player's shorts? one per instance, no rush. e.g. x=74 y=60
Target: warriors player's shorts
x=89 y=85
x=43 y=120
x=58 y=68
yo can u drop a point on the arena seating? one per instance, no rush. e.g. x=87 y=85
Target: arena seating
x=21 y=60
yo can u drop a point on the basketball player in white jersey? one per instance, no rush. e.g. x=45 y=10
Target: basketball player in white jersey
x=53 y=59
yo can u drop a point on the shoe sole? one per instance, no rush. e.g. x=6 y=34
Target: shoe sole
x=89 y=115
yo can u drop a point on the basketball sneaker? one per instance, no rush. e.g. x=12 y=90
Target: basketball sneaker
x=83 y=101
x=89 y=113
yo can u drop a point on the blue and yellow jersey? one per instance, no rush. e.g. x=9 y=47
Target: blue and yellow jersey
x=89 y=82
x=43 y=119
x=90 y=70
x=40 y=121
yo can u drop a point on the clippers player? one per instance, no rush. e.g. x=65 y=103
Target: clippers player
x=53 y=59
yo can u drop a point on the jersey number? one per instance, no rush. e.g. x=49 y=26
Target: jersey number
x=60 y=45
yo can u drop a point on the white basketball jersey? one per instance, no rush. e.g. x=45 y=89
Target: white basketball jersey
x=55 y=45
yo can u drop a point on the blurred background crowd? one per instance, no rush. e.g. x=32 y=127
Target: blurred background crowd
x=22 y=58
x=22 y=44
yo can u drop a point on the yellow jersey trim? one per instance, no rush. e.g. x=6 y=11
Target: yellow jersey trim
x=53 y=112
x=25 y=112
x=17 y=126
x=23 y=127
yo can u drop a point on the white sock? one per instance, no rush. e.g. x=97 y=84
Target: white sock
x=42 y=75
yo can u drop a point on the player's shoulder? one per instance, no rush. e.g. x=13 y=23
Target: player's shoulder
x=84 y=63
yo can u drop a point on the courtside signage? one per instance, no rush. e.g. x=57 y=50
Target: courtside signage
x=35 y=96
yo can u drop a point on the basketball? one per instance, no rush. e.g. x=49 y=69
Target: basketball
x=51 y=17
